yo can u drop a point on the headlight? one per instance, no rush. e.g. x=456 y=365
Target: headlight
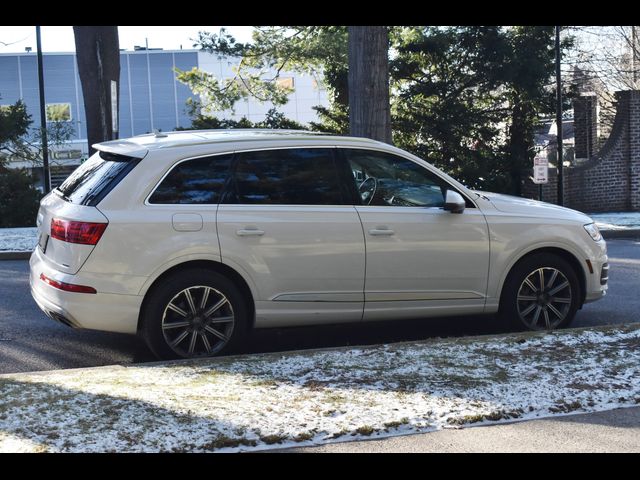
x=593 y=231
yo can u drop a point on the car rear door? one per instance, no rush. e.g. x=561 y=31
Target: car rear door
x=287 y=222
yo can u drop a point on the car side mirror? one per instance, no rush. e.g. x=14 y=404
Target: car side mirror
x=454 y=202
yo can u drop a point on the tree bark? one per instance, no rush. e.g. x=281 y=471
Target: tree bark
x=519 y=145
x=369 y=109
x=98 y=56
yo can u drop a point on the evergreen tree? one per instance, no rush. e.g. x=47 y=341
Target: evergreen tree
x=449 y=102
x=19 y=201
x=465 y=98
x=320 y=51
x=528 y=79
x=14 y=123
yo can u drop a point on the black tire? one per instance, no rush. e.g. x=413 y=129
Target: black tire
x=511 y=309
x=158 y=319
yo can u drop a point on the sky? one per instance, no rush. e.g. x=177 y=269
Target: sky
x=60 y=38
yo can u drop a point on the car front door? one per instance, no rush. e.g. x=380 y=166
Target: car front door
x=421 y=259
x=287 y=222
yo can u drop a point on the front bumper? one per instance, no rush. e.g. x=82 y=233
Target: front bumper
x=100 y=311
x=596 y=283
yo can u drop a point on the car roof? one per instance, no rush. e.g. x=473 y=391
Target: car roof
x=140 y=145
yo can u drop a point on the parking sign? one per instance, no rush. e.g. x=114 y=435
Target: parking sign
x=540 y=169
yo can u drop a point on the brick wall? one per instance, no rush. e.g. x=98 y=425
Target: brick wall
x=610 y=179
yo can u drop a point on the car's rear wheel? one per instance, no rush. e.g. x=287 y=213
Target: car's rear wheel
x=542 y=292
x=194 y=313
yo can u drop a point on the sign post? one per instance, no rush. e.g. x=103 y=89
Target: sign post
x=43 y=117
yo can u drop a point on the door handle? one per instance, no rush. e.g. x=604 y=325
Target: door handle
x=381 y=231
x=250 y=233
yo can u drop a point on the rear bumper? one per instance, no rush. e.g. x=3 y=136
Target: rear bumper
x=100 y=311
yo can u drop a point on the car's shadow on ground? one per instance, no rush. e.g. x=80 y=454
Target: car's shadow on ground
x=369 y=333
x=270 y=340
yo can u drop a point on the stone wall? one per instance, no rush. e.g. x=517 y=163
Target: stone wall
x=609 y=180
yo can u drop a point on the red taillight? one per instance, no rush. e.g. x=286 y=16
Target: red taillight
x=67 y=287
x=85 y=233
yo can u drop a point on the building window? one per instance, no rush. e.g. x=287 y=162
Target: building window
x=58 y=112
x=285 y=82
x=317 y=85
x=237 y=81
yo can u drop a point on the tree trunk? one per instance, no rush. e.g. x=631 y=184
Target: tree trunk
x=98 y=56
x=369 y=110
x=519 y=144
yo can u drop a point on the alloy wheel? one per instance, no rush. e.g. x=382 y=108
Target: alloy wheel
x=198 y=321
x=544 y=299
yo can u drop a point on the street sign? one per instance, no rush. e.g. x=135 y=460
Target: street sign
x=540 y=169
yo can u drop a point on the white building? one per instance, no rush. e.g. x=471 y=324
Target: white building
x=151 y=97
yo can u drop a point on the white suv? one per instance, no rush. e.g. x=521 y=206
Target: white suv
x=192 y=238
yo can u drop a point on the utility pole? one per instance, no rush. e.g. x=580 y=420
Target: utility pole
x=43 y=116
x=634 y=50
x=559 y=119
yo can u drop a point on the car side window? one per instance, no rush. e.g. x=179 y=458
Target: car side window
x=296 y=176
x=384 y=179
x=197 y=181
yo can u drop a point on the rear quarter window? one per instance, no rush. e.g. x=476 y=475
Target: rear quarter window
x=95 y=178
x=197 y=181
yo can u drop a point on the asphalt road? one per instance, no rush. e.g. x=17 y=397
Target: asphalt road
x=29 y=341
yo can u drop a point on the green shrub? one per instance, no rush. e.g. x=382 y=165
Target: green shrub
x=19 y=200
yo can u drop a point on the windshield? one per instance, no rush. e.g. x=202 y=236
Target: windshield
x=92 y=180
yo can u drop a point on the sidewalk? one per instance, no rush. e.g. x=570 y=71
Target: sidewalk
x=613 y=431
x=303 y=398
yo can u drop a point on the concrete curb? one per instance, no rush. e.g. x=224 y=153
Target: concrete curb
x=226 y=359
x=15 y=255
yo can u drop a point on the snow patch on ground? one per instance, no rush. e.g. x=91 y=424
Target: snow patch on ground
x=18 y=239
x=616 y=220
x=276 y=400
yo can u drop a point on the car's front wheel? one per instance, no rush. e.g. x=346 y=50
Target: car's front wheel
x=542 y=292
x=194 y=313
